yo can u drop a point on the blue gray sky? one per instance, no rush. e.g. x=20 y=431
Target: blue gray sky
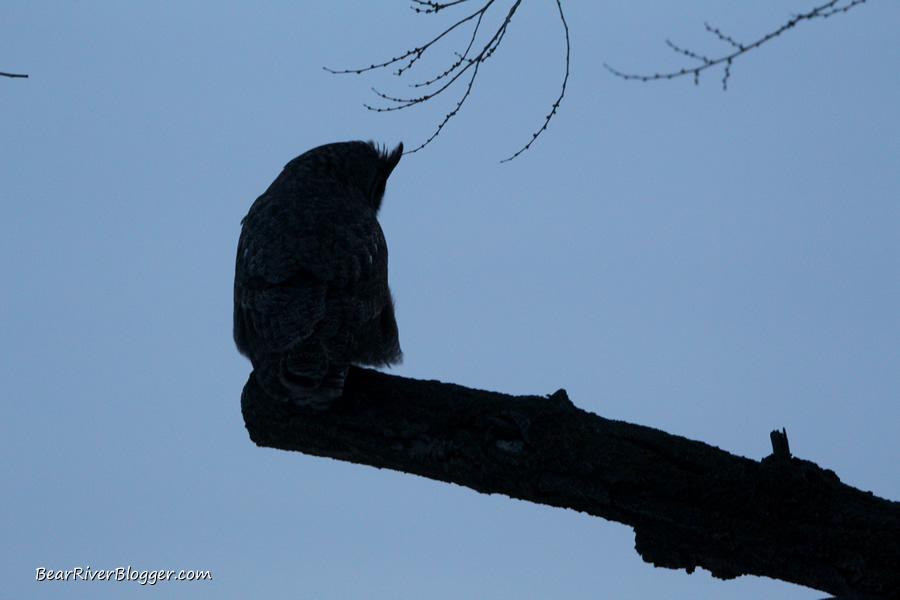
x=713 y=264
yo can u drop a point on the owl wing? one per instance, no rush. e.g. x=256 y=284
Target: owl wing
x=307 y=280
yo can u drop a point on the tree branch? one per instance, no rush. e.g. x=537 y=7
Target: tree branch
x=466 y=62
x=690 y=504
x=12 y=75
x=824 y=11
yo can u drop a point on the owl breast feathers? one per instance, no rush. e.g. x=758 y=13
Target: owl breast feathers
x=311 y=292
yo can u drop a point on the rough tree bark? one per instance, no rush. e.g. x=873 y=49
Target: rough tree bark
x=690 y=504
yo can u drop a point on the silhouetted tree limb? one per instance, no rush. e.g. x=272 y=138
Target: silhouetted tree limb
x=12 y=75
x=690 y=504
x=466 y=62
x=821 y=12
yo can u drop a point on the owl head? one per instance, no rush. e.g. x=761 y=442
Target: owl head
x=361 y=165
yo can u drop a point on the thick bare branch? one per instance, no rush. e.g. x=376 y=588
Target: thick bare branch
x=821 y=12
x=12 y=75
x=690 y=504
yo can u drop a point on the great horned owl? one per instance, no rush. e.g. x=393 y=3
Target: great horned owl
x=311 y=292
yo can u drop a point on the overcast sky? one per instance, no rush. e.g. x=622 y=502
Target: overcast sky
x=713 y=264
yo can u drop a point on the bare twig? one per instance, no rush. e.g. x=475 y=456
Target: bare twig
x=562 y=91
x=12 y=75
x=467 y=62
x=824 y=11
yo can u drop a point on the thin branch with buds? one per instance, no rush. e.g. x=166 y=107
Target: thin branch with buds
x=467 y=62
x=824 y=11
x=562 y=91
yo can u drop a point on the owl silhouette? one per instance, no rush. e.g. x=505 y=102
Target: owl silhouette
x=311 y=293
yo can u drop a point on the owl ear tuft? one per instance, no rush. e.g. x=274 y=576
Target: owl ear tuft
x=388 y=160
x=394 y=157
